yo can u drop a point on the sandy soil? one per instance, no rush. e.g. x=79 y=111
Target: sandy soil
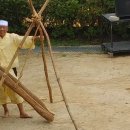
x=96 y=86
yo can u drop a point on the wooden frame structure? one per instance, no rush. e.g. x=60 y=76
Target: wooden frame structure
x=14 y=84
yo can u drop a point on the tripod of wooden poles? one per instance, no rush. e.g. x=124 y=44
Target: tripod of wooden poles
x=15 y=85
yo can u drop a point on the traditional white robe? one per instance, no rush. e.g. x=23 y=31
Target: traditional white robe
x=8 y=46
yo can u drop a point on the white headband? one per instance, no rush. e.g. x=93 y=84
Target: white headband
x=3 y=23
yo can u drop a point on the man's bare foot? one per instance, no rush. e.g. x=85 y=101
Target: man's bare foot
x=25 y=116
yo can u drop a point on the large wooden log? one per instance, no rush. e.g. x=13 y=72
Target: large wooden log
x=27 y=95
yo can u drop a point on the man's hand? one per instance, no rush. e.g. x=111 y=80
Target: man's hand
x=37 y=38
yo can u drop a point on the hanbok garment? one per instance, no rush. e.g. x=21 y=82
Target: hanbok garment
x=8 y=46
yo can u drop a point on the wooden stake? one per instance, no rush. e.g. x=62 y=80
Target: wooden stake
x=45 y=65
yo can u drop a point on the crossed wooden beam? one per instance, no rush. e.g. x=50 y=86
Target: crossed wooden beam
x=15 y=85
x=19 y=88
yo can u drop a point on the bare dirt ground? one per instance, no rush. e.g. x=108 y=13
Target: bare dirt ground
x=96 y=86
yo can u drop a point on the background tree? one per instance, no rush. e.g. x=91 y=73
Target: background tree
x=64 y=19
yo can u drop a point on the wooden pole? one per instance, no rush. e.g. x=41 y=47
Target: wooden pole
x=32 y=7
x=45 y=65
x=58 y=79
x=19 y=88
x=43 y=7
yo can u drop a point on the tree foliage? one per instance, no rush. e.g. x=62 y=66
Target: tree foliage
x=62 y=18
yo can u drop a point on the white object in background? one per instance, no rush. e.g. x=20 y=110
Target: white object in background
x=113 y=18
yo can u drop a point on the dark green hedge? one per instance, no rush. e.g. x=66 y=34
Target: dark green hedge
x=64 y=18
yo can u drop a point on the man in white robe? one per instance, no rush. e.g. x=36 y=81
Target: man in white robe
x=9 y=43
